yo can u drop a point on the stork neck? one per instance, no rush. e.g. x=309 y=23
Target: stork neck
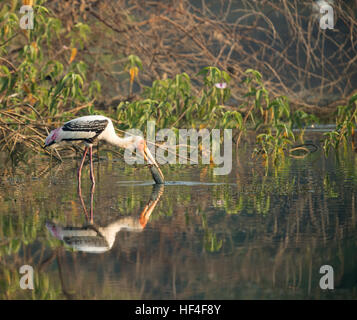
x=120 y=142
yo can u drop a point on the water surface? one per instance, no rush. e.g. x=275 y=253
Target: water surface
x=253 y=234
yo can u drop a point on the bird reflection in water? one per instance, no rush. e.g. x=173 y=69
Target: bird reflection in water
x=97 y=239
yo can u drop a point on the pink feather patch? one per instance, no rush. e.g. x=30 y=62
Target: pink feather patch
x=52 y=136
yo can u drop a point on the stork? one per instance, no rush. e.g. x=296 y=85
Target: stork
x=90 y=129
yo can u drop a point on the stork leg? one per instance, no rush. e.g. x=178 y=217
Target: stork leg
x=91 y=202
x=91 y=165
x=80 y=168
x=93 y=183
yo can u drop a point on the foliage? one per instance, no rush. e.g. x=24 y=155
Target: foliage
x=46 y=82
x=346 y=121
x=41 y=83
x=272 y=116
x=171 y=104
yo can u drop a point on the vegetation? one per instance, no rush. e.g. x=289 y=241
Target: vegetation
x=345 y=126
x=43 y=84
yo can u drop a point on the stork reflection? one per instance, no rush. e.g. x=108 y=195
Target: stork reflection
x=96 y=239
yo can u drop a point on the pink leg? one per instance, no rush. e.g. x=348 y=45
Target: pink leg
x=80 y=168
x=93 y=183
x=91 y=202
x=91 y=165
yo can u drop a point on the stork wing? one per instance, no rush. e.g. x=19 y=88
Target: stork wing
x=79 y=125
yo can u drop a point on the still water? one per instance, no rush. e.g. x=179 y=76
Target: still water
x=254 y=234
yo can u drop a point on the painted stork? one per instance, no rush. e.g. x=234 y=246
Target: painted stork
x=90 y=129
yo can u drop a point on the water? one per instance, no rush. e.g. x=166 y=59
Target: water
x=254 y=234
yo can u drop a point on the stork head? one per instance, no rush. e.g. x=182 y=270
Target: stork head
x=51 y=138
x=141 y=146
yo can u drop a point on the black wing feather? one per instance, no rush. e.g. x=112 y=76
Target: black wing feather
x=96 y=126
